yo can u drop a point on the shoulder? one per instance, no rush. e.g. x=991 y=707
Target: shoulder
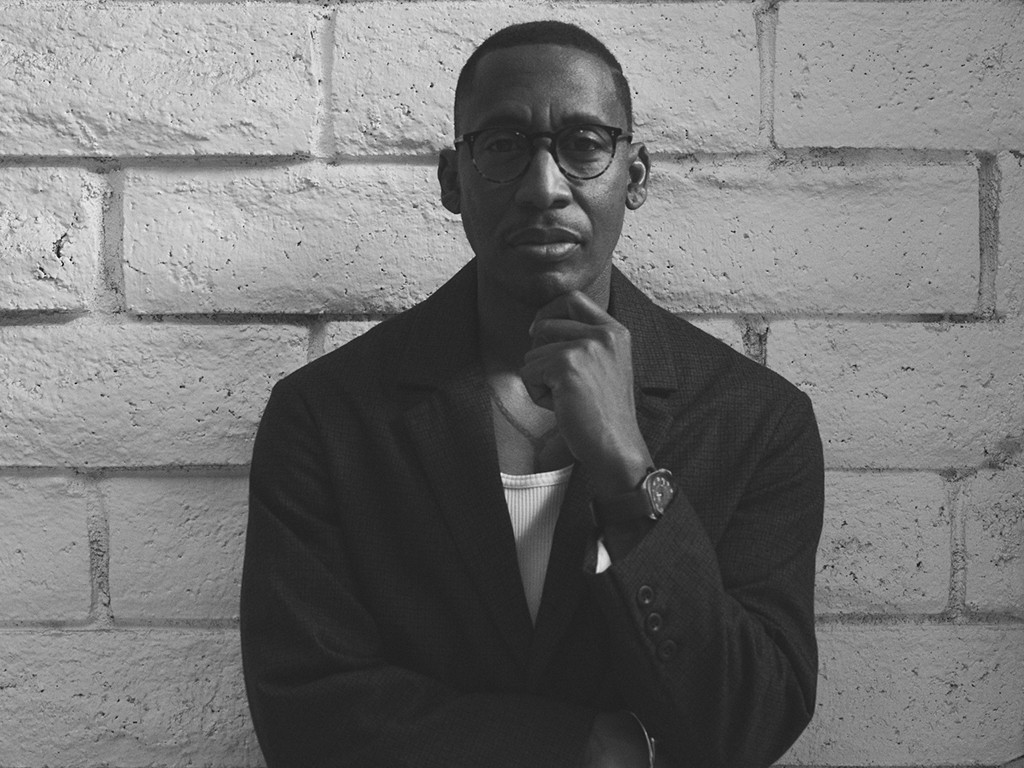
x=436 y=334
x=701 y=367
x=362 y=364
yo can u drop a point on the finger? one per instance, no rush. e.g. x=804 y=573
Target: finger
x=557 y=307
x=552 y=330
x=584 y=309
x=533 y=379
x=574 y=305
x=540 y=395
x=547 y=351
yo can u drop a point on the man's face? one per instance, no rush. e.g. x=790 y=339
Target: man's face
x=544 y=234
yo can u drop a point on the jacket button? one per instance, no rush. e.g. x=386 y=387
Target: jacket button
x=645 y=595
x=654 y=623
x=667 y=650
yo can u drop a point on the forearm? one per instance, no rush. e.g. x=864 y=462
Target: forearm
x=712 y=678
x=714 y=638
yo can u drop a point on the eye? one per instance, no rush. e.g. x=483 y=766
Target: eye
x=499 y=142
x=585 y=140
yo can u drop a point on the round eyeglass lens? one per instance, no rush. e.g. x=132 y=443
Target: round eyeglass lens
x=501 y=154
x=585 y=151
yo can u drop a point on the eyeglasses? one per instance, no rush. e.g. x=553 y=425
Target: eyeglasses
x=581 y=152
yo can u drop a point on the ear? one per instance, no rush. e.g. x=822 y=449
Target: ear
x=639 y=172
x=448 y=178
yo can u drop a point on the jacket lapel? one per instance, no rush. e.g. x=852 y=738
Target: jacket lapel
x=449 y=422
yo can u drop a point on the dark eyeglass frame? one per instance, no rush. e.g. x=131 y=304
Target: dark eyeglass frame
x=531 y=138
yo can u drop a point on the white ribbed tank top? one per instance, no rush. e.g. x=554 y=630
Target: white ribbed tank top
x=533 y=504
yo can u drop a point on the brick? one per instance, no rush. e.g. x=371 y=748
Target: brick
x=994 y=508
x=885 y=546
x=351 y=238
x=176 y=546
x=44 y=550
x=912 y=74
x=341 y=333
x=138 y=394
x=1010 y=275
x=123 y=698
x=693 y=69
x=910 y=695
x=905 y=395
x=750 y=237
x=155 y=79
x=49 y=237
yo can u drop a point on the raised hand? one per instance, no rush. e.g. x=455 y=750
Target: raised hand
x=581 y=368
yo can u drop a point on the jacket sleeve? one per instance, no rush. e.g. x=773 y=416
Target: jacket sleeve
x=319 y=691
x=714 y=640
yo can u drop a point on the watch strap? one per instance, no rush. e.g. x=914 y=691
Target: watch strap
x=645 y=502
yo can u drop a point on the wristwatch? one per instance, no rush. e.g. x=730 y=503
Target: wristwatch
x=648 y=500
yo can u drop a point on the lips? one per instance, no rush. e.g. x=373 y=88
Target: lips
x=543 y=236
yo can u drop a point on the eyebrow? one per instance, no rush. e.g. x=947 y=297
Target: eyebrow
x=501 y=118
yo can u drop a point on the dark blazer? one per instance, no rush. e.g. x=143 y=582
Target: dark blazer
x=383 y=618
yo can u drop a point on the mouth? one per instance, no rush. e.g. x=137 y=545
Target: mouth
x=547 y=243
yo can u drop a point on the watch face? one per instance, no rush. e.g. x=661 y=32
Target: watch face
x=661 y=489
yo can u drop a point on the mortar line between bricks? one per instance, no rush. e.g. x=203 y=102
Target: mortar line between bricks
x=300 y=318
x=956 y=494
x=988 y=232
x=109 y=163
x=322 y=41
x=195 y=625
x=111 y=287
x=819 y=157
x=241 y=470
x=755 y=338
x=98 y=529
x=112 y=471
x=317 y=339
x=918 y=619
x=766 y=16
x=18 y=318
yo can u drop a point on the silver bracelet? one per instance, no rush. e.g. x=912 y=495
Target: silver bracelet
x=650 y=741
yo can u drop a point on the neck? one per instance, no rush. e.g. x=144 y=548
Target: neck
x=505 y=322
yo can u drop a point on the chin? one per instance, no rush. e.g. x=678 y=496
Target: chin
x=541 y=288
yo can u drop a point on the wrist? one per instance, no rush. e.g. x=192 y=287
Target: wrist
x=622 y=474
x=646 y=501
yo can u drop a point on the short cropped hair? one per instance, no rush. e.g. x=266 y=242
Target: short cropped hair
x=547 y=32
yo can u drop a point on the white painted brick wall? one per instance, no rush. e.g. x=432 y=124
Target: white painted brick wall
x=131 y=697
x=763 y=238
x=198 y=197
x=156 y=79
x=907 y=695
x=905 y=395
x=176 y=546
x=126 y=394
x=693 y=68
x=44 y=549
x=901 y=74
x=885 y=544
x=350 y=238
x=49 y=237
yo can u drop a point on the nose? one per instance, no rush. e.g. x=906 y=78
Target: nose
x=544 y=185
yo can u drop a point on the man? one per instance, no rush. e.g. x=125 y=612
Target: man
x=535 y=519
